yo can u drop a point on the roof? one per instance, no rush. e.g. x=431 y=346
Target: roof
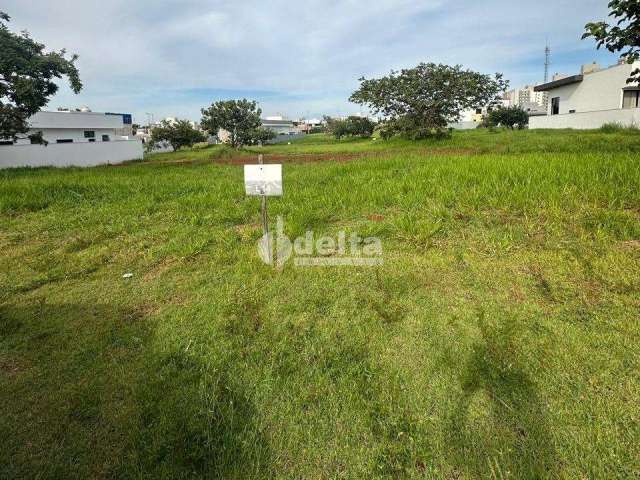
x=82 y=120
x=287 y=123
x=559 y=83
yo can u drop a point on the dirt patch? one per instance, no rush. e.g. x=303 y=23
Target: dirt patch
x=244 y=158
x=376 y=217
x=631 y=244
x=10 y=367
x=159 y=269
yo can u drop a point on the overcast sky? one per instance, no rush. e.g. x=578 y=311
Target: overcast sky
x=297 y=58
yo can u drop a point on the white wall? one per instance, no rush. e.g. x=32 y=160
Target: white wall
x=75 y=134
x=79 y=120
x=598 y=91
x=70 y=154
x=587 y=120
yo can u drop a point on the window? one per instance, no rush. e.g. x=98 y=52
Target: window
x=64 y=140
x=92 y=140
x=478 y=111
x=631 y=99
x=555 y=106
x=105 y=138
x=89 y=134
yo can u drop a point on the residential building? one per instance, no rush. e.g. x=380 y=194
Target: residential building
x=472 y=118
x=279 y=125
x=73 y=138
x=306 y=125
x=77 y=126
x=526 y=95
x=592 y=98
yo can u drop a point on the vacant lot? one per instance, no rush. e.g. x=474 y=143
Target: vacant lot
x=499 y=339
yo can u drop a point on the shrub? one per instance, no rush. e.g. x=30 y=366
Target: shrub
x=353 y=126
x=509 y=117
x=178 y=134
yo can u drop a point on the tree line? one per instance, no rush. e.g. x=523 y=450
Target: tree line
x=415 y=102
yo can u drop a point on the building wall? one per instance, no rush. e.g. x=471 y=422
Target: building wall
x=70 y=154
x=51 y=135
x=587 y=120
x=598 y=91
x=83 y=120
x=282 y=129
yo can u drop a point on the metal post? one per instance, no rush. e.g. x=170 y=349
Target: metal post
x=265 y=220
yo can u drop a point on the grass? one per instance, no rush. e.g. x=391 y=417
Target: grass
x=499 y=339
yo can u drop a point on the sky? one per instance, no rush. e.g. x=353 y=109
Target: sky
x=296 y=58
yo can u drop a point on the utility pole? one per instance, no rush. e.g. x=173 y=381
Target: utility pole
x=547 y=62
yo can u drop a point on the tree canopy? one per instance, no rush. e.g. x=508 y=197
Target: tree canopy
x=178 y=134
x=510 y=117
x=261 y=135
x=422 y=101
x=241 y=118
x=623 y=36
x=27 y=74
x=352 y=126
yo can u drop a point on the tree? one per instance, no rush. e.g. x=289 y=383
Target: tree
x=262 y=135
x=509 y=117
x=350 y=127
x=27 y=76
x=178 y=134
x=336 y=127
x=360 y=126
x=238 y=117
x=625 y=34
x=421 y=101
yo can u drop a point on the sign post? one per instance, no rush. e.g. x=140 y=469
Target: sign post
x=265 y=219
x=265 y=181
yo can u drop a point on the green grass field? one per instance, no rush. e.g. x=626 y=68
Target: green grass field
x=498 y=340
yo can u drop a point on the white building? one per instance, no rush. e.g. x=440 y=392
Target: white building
x=77 y=127
x=527 y=96
x=279 y=125
x=589 y=100
x=73 y=138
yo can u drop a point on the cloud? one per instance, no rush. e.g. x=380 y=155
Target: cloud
x=300 y=58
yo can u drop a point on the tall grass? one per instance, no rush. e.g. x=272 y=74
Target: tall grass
x=496 y=341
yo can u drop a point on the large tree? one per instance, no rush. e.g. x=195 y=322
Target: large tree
x=241 y=118
x=422 y=101
x=27 y=74
x=623 y=36
x=178 y=134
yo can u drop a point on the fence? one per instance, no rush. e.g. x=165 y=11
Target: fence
x=587 y=120
x=70 y=154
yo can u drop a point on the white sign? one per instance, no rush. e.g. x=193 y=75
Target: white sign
x=263 y=180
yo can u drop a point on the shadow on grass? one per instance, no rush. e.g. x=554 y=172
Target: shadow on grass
x=498 y=428
x=87 y=391
x=198 y=419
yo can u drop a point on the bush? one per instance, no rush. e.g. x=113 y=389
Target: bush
x=509 y=117
x=351 y=127
x=178 y=134
x=409 y=127
x=261 y=135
